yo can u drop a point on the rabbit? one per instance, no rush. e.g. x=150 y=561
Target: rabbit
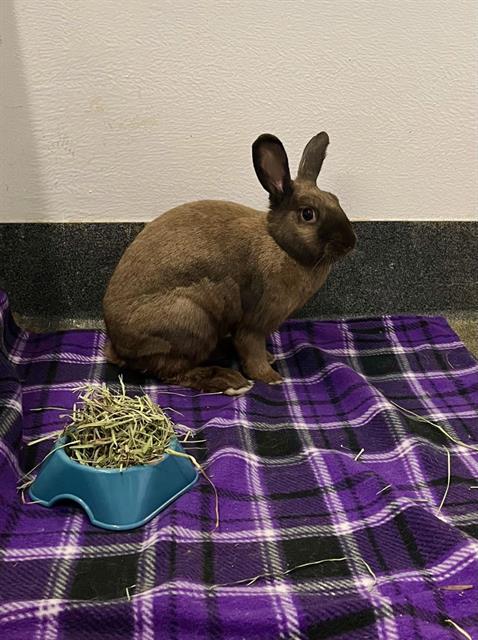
x=211 y=269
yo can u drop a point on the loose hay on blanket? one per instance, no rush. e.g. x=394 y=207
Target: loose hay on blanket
x=460 y=630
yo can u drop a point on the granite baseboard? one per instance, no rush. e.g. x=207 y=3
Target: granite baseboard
x=59 y=271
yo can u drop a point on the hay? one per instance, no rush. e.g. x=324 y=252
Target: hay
x=457 y=587
x=193 y=460
x=280 y=574
x=28 y=479
x=456 y=626
x=388 y=486
x=447 y=481
x=112 y=430
x=128 y=592
x=275 y=574
x=414 y=416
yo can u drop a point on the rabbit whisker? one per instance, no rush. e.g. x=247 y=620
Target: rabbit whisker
x=321 y=261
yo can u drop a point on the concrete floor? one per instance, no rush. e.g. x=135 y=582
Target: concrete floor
x=464 y=324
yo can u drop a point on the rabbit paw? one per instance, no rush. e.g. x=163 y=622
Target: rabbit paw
x=213 y=379
x=269 y=376
x=270 y=357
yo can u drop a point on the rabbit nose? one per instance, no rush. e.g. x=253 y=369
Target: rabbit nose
x=345 y=241
x=348 y=239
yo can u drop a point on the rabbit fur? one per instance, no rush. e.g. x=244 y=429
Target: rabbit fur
x=211 y=269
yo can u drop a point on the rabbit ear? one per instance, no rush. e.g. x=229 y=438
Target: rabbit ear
x=313 y=157
x=271 y=164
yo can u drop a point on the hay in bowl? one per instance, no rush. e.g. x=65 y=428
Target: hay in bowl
x=113 y=430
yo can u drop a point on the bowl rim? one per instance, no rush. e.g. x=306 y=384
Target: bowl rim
x=59 y=451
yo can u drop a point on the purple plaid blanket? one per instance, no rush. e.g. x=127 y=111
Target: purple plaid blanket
x=292 y=487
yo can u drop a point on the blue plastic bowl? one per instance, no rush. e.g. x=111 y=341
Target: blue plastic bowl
x=114 y=499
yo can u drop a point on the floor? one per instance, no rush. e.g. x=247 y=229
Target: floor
x=464 y=324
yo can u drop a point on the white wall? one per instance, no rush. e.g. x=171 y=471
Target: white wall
x=119 y=109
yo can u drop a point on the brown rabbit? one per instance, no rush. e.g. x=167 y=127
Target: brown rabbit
x=209 y=269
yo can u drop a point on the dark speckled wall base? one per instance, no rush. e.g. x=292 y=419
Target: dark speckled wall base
x=61 y=270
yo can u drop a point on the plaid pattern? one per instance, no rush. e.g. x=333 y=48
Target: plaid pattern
x=290 y=492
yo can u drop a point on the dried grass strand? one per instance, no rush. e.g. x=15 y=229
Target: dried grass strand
x=27 y=476
x=192 y=459
x=383 y=489
x=127 y=591
x=35 y=409
x=415 y=416
x=457 y=587
x=448 y=480
x=464 y=633
x=369 y=569
x=279 y=574
x=50 y=436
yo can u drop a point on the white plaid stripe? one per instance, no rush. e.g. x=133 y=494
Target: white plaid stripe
x=57 y=356
x=143 y=607
x=58 y=579
x=380 y=407
x=284 y=608
x=411 y=462
x=440 y=346
x=7 y=454
x=397 y=453
x=340 y=523
x=69 y=550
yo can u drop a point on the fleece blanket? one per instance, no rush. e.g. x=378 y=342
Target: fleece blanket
x=324 y=467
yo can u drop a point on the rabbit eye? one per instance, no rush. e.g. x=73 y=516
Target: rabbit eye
x=308 y=214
